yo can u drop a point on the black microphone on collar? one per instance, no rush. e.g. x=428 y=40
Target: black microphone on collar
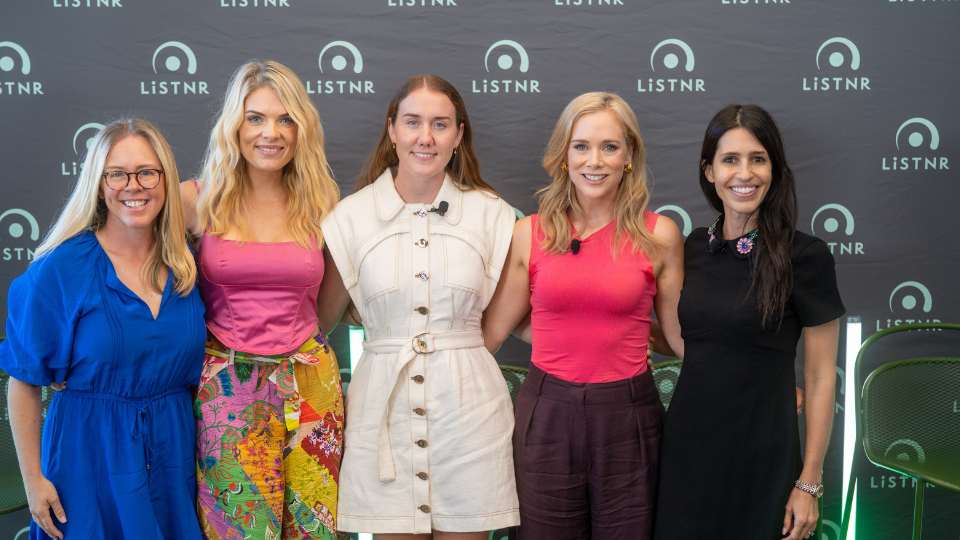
x=575 y=246
x=440 y=208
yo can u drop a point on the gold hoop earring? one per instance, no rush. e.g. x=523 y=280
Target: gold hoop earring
x=628 y=168
x=563 y=167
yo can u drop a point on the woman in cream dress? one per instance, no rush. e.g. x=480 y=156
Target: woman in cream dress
x=419 y=248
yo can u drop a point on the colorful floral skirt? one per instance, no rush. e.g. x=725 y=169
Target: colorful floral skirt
x=269 y=438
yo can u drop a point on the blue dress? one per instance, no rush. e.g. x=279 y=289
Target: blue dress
x=118 y=443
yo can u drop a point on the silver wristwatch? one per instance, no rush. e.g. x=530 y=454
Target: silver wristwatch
x=813 y=489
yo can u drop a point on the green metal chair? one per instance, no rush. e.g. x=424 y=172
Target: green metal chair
x=665 y=376
x=12 y=495
x=904 y=409
x=514 y=375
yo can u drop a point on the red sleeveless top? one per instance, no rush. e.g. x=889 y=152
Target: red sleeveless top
x=590 y=317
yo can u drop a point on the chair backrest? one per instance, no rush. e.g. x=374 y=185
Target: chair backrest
x=665 y=376
x=910 y=419
x=514 y=375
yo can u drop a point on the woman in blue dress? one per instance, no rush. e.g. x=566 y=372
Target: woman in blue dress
x=109 y=311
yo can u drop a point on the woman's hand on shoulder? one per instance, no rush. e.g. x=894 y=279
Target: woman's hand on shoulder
x=189 y=194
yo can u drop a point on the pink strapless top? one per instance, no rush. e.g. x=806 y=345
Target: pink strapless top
x=261 y=297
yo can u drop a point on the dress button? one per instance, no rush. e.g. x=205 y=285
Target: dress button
x=424 y=508
x=423 y=475
x=422 y=310
x=419 y=411
x=422 y=275
x=422 y=443
x=417 y=379
x=421 y=242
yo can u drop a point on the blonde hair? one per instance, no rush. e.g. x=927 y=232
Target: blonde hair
x=85 y=210
x=558 y=198
x=308 y=180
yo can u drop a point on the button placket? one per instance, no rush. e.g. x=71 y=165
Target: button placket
x=416 y=389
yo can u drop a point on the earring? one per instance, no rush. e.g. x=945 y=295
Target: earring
x=394 y=145
x=563 y=167
x=628 y=168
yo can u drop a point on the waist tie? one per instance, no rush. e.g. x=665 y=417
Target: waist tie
x=407 y=350
x=142 y=417
x=284 y=377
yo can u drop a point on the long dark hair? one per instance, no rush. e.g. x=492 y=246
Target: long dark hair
x=772 y=279
x=463 y=167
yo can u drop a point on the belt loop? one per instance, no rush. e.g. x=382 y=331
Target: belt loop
x=232 y=354
x=634 y=391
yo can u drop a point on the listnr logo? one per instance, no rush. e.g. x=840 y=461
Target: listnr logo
x=918 y=148
x=675 y=57
x=510 y=58
x=82 y=139
x=15 y=61
x=19 y=233
x=685 y=223
x=837 y=59
x=909 y=302
x=340 y=57
x=175 y=65
x=834 y=223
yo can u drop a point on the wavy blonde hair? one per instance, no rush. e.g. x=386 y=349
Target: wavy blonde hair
x=308 y=180
x=85 y=210
x=558 y=198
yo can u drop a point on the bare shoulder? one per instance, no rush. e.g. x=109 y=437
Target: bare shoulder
x=667 y=234
x=522 y=229
x=189 y=193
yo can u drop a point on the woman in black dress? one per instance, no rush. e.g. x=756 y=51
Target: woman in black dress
x=730 y=463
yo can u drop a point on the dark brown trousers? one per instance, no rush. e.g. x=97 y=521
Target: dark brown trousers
x=586 y=457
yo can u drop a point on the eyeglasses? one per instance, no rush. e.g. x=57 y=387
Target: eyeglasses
x=119 y=180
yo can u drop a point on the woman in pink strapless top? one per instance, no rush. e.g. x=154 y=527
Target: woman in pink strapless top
x=270 y=409
x=589 y=268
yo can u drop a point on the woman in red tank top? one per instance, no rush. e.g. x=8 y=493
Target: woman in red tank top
x=589 y=268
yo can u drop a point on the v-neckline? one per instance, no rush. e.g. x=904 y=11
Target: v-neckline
x=114 y=279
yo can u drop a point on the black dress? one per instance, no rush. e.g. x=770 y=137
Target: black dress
x=731 y=447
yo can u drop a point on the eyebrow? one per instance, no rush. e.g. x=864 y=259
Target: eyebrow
x=618 y=141
x=254 y=111
x=414 y=115
x=138 y=167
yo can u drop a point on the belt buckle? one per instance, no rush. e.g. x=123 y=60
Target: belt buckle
x=422 y=343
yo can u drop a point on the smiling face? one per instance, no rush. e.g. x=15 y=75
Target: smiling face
x=268 y=135
x=597 y=155
x=425 y=133
x=132 y=206
x=741 y=173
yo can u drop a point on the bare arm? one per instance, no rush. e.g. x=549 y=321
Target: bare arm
x=658 y=341
x=333 y=298
x=669 y=283
x=511 y=301
x=23 y=401
x=820 y=375
x=189 y=193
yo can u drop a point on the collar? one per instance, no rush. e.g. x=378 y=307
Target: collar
x=741 y=247
x=389 y=203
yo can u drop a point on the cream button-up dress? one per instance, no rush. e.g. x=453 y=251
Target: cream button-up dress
x=429 y=419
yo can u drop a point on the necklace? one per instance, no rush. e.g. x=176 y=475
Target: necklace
x=744 y=244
